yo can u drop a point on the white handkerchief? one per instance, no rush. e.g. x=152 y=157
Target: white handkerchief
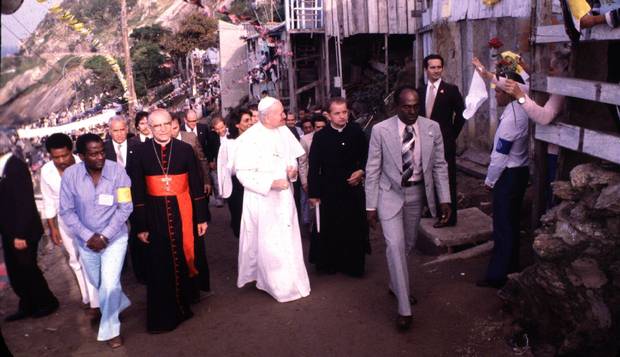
x=476 y=96
x=105 y=200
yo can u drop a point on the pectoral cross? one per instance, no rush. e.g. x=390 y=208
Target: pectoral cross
x=166 y=180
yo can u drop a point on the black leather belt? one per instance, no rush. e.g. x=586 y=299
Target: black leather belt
x=411 y=183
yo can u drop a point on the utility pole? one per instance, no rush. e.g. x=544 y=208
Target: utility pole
x=128 y=66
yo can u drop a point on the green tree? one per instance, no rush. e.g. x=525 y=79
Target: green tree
x=196 y=31
x=105 y=80
x=147 y=60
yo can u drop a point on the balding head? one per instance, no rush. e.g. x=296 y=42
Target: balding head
x=191 y=118
x=159 y=123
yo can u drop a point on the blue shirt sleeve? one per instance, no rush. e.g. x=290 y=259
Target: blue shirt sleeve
x=123 y=209
x=68 y=210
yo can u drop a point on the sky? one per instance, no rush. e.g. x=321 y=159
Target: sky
x=29 y=15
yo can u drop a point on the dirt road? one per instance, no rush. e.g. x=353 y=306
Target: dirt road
x=341 y=317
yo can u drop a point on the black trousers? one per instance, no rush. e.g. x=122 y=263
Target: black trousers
x=508 y=195
x=235 y=205
x=26 y=278
x=137 y=252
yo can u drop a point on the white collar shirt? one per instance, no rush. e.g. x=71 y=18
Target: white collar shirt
x=3 y=160
x=194 y=130
x=50 y=188
x=123 y=150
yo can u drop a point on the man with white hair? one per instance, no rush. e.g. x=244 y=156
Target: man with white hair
x=270 y=251
x=507 y=176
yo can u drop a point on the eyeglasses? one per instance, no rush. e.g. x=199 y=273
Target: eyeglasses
x=162 y=125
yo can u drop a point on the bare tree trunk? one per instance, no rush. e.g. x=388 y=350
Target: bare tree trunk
x=128 y=65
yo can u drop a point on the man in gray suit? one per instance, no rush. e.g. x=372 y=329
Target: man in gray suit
x=405 y=166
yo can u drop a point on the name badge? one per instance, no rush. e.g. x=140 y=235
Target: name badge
x=105 y=200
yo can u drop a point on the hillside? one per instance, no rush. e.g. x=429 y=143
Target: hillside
x=42 y=78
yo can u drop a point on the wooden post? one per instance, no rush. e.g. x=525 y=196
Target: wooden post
x=492 y=102
x=541 y=10
x=292 y=100
x=128 y=66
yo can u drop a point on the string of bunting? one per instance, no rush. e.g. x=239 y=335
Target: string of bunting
x=79 y=27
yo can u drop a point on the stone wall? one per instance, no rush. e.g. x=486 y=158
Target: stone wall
x=568 y=302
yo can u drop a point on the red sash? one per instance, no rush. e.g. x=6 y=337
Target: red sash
x=178 y=186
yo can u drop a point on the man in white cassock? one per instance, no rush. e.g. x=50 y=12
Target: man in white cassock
x=270 y=250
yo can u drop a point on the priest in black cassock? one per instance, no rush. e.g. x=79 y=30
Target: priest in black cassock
x=336 y=169
x=169 y=212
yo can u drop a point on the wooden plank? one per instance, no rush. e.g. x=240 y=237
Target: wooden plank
x=578 y=88
x=411 y=21
x=327 y=18
x=556 y=33
x=351 y=16
x=307 y=87
x=601 y=145
x=401 y=11
x=392 y=16
x=383 y=16
x=360 y=9
x=345 y=18
x=373 y=16
x=459 y=10
x=561 y=134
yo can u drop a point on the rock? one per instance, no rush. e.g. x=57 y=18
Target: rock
x=548 y=247
x=592 y=175
x=588 y=273
x=609 y=199
x=565 y=191
x=570 y=297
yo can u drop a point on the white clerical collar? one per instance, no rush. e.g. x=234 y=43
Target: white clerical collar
x=338 y=130
x=3 y=160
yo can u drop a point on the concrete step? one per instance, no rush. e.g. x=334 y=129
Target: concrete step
x=473 y=227
x=471 y=168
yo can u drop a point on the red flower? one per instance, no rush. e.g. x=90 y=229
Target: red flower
x=495 y=43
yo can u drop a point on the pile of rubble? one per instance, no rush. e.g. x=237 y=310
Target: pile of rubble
x=569 y=300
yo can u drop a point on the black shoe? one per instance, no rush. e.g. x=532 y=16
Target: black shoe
x=412 y=299
x=495 y=284
x=403 y=323
x=19 y=315
x=45 y=311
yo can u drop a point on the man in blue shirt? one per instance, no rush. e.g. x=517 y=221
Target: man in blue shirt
x=95 y=202
x=507 y=176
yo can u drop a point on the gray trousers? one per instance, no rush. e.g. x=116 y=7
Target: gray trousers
x=401 y=232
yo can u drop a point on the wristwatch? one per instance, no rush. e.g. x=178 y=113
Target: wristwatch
x=521 y=100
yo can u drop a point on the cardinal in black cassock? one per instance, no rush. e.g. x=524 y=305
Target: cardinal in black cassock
x=169 y=201
x=342 y=243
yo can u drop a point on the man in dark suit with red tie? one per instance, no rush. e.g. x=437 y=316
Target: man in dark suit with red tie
x=443 y=103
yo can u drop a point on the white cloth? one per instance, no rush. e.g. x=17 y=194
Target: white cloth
x=224 y=166
x=3 y=160
x=476 y=96
x=270 y=251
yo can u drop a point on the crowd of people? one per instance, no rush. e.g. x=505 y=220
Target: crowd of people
x=280 y=173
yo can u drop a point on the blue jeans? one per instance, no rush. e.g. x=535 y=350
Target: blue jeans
x=104 y=272
x=508 y=195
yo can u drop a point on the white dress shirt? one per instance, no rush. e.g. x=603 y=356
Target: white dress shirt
x=50 y=188
x=510 y=145
x=123 y=149
x=417 y=153
x=194 y=130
